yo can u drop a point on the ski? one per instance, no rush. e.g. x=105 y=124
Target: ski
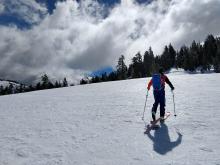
x=165 y=117
x=153 y=124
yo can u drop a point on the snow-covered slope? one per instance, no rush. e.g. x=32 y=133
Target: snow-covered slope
x=100 y=124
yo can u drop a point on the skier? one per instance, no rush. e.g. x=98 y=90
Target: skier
x=158 y=82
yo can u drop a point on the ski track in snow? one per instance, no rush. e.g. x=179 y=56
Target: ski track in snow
x=101 y=123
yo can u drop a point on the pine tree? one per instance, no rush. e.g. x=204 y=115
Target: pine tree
x=137 y=65
x=194 y=55
x=10 y=88
x=1 y=90
x=57 y=84
x=180 y=57
x=188 y=62
x=65 y=83
x=50 y=85
x=164 y=60
x=157 y=65
x=31 y=88
x=38 y=86
x=112 y=76
x=121 y=68
x=148 y=62
x=130 y=71
x=45 y=81
x=95 y=79
x=82 y=82
x=216 y=60
x=104 y=77
x=172 y=56
x=210 y=51
x=21 y=88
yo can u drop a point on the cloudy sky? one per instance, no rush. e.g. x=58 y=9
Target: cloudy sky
x=69 y=38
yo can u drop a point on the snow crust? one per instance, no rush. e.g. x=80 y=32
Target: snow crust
x=100 y=124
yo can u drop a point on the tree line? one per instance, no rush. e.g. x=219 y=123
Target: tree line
x=45 y=83
x=197 y=56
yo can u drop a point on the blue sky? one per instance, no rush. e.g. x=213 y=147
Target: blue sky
x=72 y=39
x=101 y=71
x=50 y=4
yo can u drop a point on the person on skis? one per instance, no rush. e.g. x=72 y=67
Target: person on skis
x=158 y=82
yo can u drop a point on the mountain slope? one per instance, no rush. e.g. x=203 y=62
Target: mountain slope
x=101 y=124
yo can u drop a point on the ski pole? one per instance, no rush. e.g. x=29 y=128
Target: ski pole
x=145 y=106
x=174 y=108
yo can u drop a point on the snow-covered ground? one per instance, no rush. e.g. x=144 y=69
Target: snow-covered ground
x=100 y=124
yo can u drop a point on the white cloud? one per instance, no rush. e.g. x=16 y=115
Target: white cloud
x=78 y=38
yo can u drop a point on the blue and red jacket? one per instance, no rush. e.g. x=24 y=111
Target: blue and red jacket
x=163 y=79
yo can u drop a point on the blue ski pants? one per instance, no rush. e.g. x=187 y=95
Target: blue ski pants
x=159 y=98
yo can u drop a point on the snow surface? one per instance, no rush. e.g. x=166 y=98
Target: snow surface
x=100 y=124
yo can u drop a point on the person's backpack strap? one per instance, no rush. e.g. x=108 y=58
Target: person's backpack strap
x=156 y=81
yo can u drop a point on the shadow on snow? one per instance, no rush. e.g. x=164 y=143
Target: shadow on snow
x=161 y=139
